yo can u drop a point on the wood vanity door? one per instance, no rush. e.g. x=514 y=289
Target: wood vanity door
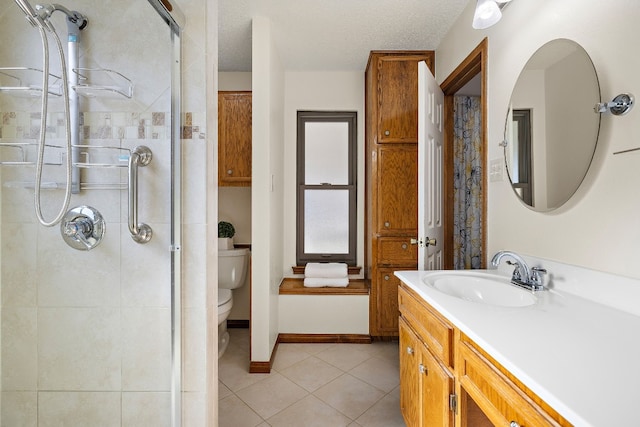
x=409 y=379
x=437 y=386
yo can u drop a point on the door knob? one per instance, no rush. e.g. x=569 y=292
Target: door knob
x=424 y=243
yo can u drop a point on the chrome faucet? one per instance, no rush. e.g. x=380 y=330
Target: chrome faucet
x=523 y=276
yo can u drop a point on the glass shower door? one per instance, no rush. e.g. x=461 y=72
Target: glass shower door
x=86 y=335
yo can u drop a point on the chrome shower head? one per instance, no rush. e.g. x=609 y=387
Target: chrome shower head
x=74 y=18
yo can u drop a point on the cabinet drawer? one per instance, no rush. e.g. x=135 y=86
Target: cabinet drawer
x=397 y=251
x=434 y=330
x=496 y=395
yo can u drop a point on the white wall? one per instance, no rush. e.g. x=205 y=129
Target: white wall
x=319 y=91
x=267 y=185
x=599 y=227
x=570 y=124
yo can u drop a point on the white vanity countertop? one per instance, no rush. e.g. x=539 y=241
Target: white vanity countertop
x=579 y=356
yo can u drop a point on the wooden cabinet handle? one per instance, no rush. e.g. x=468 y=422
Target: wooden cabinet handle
x=409 y=350
x=386 y=277
x=229 y=171
x=405 y=246
x=387 y=133
x=422 y=369
x=387 y=224
x=514 y=424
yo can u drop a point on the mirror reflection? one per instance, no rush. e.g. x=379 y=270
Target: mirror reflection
x=551 y=129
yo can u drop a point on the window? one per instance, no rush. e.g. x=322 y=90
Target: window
x=326 y=216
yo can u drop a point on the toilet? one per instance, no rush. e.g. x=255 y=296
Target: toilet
x=232 y=270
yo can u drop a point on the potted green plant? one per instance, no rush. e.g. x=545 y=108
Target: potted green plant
x=225 y=235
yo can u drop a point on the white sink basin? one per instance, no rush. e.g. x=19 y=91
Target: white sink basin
x=483 y=288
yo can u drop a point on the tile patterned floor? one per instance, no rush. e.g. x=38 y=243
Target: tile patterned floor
x=311 y=385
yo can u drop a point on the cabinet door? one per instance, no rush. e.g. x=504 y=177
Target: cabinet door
x=234 y=138
x=409 y=376
x=425 y=384
x=398 y=99
x=437 y=386
x=397 y=190
x=385 y=321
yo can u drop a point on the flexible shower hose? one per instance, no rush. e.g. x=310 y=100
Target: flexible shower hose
x=43 y=126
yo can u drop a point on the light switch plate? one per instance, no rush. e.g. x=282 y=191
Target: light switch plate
x=496 y=168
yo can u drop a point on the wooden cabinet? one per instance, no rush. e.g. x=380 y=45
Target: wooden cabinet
x=391 y=177
x=234 y=139
x=464 y=384
x=426 y=383
x=396 y=190
x=497 y=394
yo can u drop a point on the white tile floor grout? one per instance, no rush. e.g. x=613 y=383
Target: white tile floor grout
x=311 y=385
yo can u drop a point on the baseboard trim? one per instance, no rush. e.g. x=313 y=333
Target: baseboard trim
x=324 y=338
x=259 y=367
x=256 y=367
x=238 y=323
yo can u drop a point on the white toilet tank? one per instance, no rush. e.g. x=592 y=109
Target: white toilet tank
x=232 y=268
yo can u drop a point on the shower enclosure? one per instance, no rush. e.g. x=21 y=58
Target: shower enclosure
x=90 y=331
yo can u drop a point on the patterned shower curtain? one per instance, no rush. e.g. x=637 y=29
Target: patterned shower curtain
x=467 y=222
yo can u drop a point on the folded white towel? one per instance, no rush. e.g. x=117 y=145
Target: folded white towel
x=326 y=270
x=321 y=282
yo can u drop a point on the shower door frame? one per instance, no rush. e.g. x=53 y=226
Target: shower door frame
x=174 y=18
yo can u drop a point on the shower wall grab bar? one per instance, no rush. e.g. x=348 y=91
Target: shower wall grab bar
x=140 y=232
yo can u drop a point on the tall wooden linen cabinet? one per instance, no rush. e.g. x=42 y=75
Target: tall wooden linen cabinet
x=391 y=179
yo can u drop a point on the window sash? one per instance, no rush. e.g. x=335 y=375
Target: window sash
x=302 y=257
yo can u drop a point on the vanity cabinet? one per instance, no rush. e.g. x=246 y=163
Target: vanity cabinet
x=234 y=139
x=467 y=387
x=391 y=178
x=426 y=381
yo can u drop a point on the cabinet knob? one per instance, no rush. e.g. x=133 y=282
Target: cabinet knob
x=409 y=350
x=404 y=246
x=386 y=277
x=387 y=224
x=422 y=369
x=387 y=133
x=229 y=171
x=514 y=424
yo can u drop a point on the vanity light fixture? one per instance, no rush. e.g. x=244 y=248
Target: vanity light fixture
x=620 y=105
x=488 y=12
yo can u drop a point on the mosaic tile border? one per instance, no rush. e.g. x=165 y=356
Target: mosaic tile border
x=101 y=125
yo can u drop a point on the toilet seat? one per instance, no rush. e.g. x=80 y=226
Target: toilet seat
x=224 y=296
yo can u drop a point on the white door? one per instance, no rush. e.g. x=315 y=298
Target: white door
x=430 y=162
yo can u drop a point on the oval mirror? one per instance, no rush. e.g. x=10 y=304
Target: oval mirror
x=551 y=129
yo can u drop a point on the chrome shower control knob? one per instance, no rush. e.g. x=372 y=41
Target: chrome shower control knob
x=83 y=228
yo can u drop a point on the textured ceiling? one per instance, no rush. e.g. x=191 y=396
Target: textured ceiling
x=333 y=35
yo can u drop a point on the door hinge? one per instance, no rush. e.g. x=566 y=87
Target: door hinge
x=453 y=403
